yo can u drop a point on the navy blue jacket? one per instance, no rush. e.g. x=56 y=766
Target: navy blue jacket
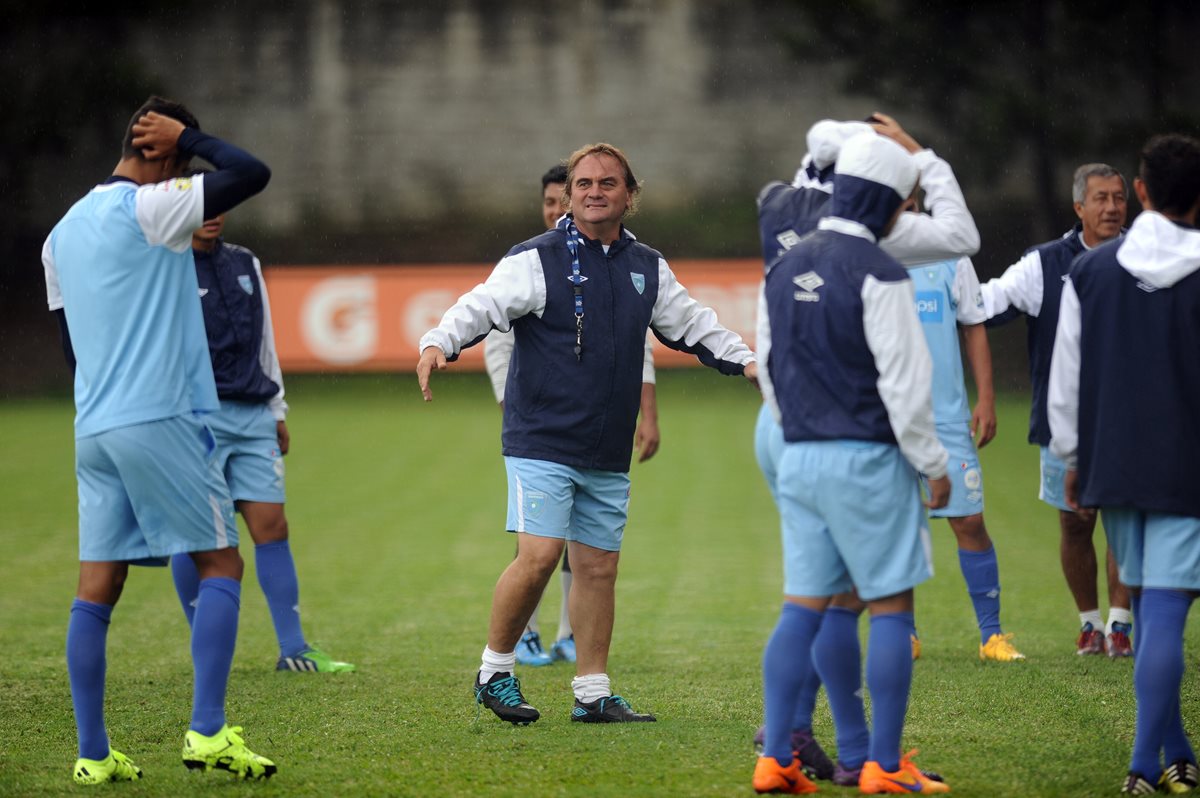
x=786 y=213
x=231 y=297
x=1056 y=258
x=1139 y=388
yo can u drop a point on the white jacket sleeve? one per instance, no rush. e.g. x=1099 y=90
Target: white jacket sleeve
x=268 y=358
x=947 y=231
x=686 y=325
x=515 y=288
x=497 y=353
x=905 y=384
x=1019 y=287
x=648 y=374
x=1062 y=401
x=762 y=342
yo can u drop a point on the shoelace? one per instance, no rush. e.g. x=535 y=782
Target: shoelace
x=508 y=690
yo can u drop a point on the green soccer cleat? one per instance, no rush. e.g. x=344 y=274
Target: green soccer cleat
x=225 y=750
x=114 y=767
x=312 y=660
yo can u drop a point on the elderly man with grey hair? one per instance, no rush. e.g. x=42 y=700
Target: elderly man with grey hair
x=1033 y=286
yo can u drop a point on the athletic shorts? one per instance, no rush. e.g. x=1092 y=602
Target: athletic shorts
x=852 y=517
x=151 y=490
x=248 y=451
x=1054 y=471
x=552 y=500
x=1154 y=550
x=768 y=446
x=966 y=479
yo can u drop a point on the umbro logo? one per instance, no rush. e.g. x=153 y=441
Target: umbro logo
x=1149 y=289
x=582 y=278
x=808 y=283
x=203 y=292
x=788 y=239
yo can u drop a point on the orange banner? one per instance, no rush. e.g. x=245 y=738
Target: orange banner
x=369 y=318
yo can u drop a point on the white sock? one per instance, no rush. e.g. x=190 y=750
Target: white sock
x=591 y=687
x=495 y=662
x=1092 y=617
x=1117 y=615
x=564 y=615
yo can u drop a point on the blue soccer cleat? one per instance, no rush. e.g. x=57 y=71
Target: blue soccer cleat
x=563 y=649
x=530 y=651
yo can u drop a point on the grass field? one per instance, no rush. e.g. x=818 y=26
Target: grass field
x=395 y=508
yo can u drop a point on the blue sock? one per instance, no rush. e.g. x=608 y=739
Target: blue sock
x=187 y=583
x=277 y=578
x=87 y=640
x=1157 y=674
x=837 y=656
x=806 y=702
x=214 y=634
x=982 y=575
x=889 y=678
x=787 y=660
x=1176 y=744
x=1135 y=606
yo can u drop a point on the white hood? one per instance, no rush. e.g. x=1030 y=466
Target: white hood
x=1159 y=252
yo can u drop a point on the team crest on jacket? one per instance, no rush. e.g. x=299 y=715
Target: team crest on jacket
x=639 y=281
x=808 y=283
x=244 y=282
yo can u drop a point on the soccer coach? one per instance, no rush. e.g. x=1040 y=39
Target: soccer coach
x=580 y=299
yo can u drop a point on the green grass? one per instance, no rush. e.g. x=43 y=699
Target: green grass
x=395 y=508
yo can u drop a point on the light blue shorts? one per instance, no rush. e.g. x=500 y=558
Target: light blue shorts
x=966 y=479
x=768 y=447
x=551 y=500
x=248 y=451
x=151 y=490
x=852 y=517
x=1054 y=471
x=1154 y=550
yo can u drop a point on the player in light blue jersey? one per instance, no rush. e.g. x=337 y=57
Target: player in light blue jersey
x=119 y=271
x=949 y=302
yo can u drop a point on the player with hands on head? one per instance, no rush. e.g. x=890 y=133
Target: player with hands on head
x=119 y=270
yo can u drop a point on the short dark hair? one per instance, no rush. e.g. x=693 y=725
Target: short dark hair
x=555 y=174
x=162 y=106
x=1170 y=168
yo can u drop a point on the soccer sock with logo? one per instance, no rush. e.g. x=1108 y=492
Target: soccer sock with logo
x=494 y=662
x=982 y=575
x=214 y=635
x=1157 y=674
x=789 y=648
x=889 y=678
x=187 y=583
x=277 y=577
x=837 y=656
x=87 y=637
x=1092 y=617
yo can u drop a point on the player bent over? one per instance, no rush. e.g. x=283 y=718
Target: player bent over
x=119 y=266
x=252 y=436
x=849 y=372
x=580 y=299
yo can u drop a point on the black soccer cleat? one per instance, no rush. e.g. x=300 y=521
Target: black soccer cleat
x=611 y=709
x=502 y=695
